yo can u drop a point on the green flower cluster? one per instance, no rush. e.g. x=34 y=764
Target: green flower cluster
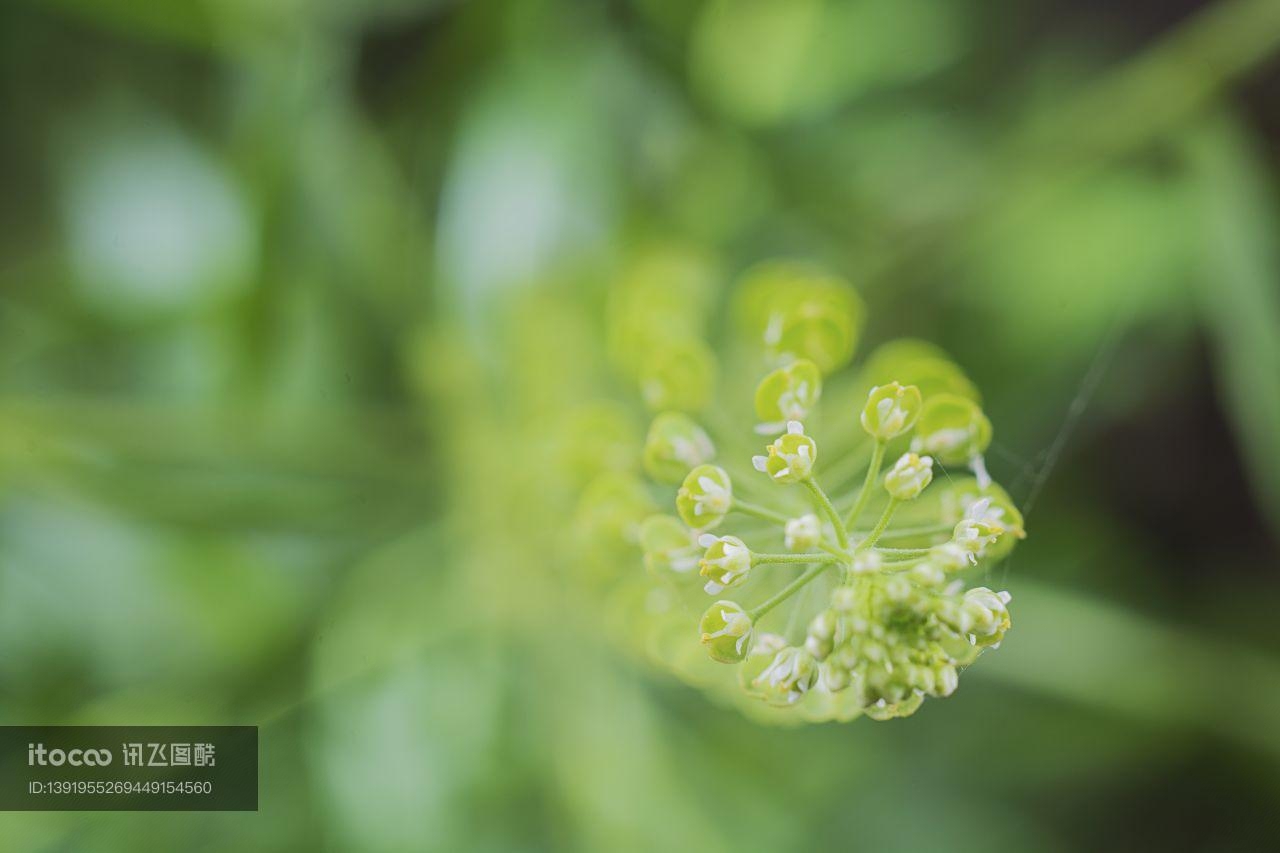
x=830 y=600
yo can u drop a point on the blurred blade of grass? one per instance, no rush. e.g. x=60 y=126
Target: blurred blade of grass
x=214 y=466
x=1146 y=99
x=1100 y=655
x=1139 y=102
x=1240 y=295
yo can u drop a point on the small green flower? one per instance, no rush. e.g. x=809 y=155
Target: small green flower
x=891 y=410
x=763 y=651
x=960 y=499
x=668 y=545
x=726 y=563
x=989 y=613
x=705 y=497
x=726 y=631
x=952 y=429
x=824 y=634
x=675 y=445
x=977 y=531
x=833 y=677
x=951 y=556
x=791 y=456
x=909 y=477
x=678 y=376
x=787 y=394
x=790 y=675
x=803 y=533
x=927 y=574
x=801 y=311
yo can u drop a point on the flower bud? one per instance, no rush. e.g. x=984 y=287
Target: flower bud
x=822 y=638
x=726 y=562
x=674 y=446
x=705 y=497
x=668 y=545
x=763 y=651
x=909 y=477
x=801 y=312
x=891 y=410
x=952 y=557
x=789 y=676
x=867 y=563
x=952 y=429
x=977 y=531
x=726 y=631
x=945 y=680
x=791 y=456
x=787 y=394
x=844 y=599
x=678 y=376
x=990 y=614
x=927 y=574
x=803 y=533
x=963 y=501
x=832 y=676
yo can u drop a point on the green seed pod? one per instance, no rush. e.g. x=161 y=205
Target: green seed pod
x=791 y=456
x=909 y=477
x=952 y=429
x=678 y=376
x=674 y=446
x=705 y=497
x=669 y=546
x=726 y=563
x=787 y=394
x=726 y=631
x=891 y=410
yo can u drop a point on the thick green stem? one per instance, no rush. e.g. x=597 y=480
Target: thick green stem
x=758 y=511
x=879 y=529
x=903 y=552
x=842 y=537
x=787 y=591
x=864 y=495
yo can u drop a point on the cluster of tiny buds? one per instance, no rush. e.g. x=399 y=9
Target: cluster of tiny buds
x=896 y=624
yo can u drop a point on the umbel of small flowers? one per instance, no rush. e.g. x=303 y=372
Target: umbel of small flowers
x=893 y=624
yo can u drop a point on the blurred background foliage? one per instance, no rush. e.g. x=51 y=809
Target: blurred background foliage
x=299 y=303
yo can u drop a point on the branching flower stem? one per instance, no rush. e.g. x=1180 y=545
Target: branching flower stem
x=879 y=529
x=864 y=494
x=748 y=508
x=759 y=559
x=842 y=537
x=904 y=532
x=787 y=591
